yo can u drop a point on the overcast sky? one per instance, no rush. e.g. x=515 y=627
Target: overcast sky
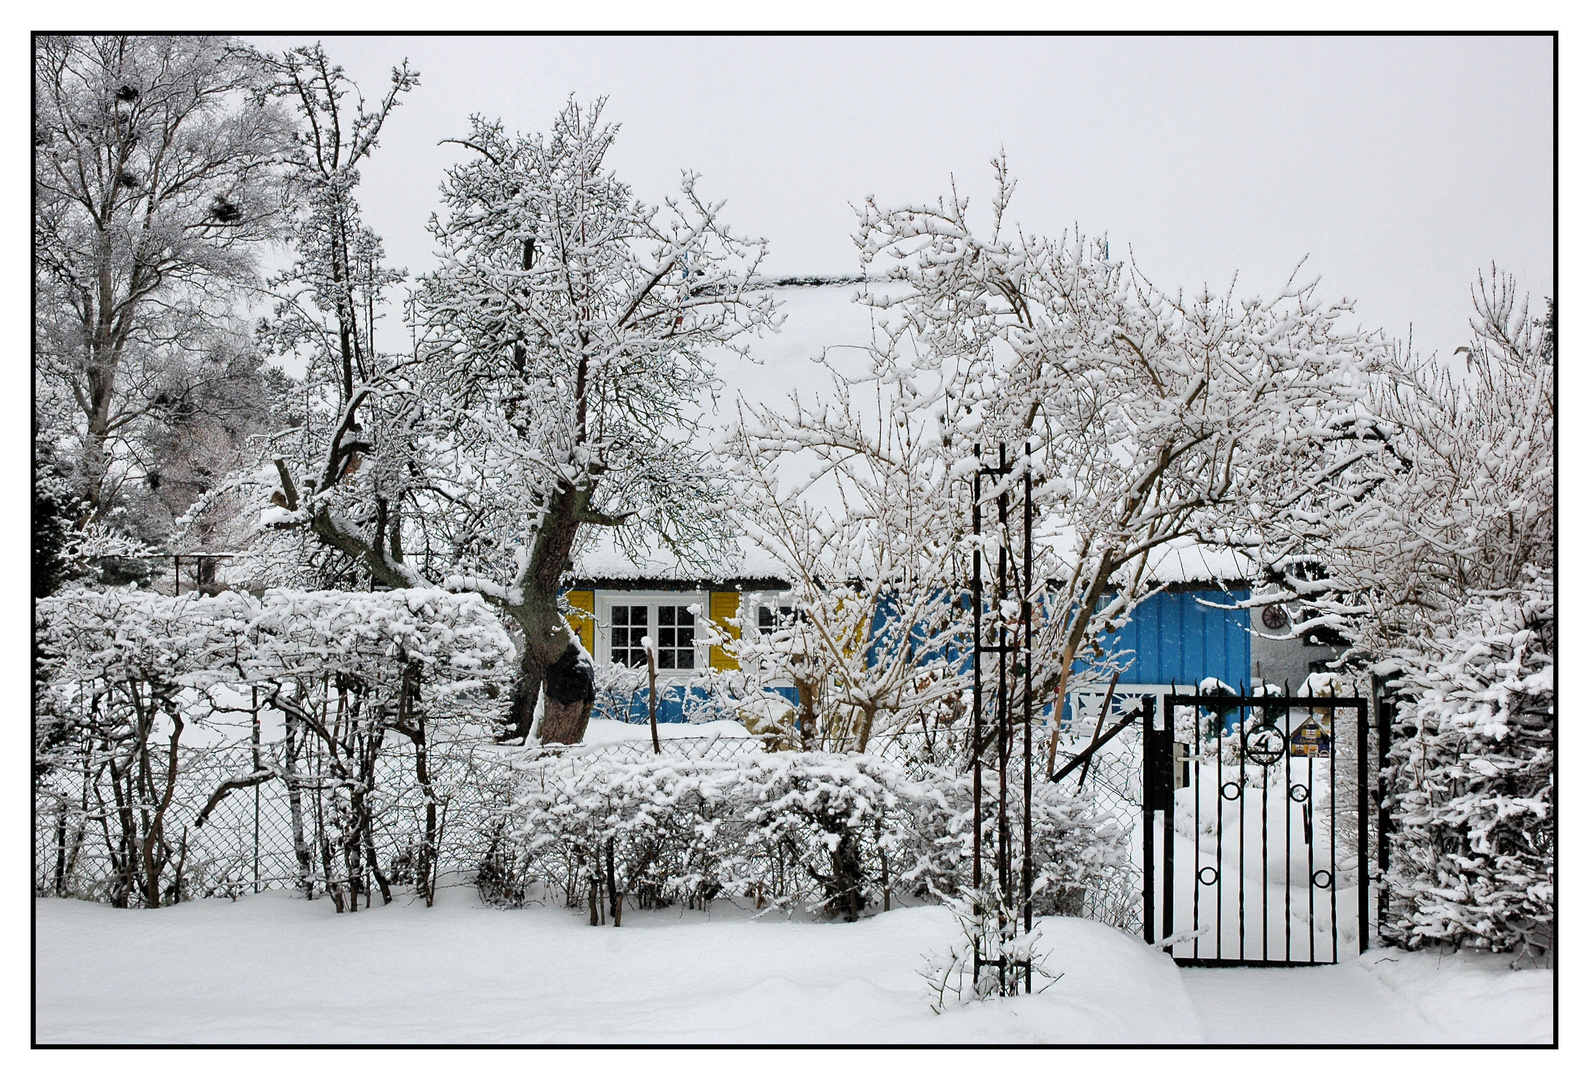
x=1399 y=166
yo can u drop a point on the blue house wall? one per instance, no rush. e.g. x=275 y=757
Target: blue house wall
x=1175 y=639
x=1171 y=639
x=677 y=704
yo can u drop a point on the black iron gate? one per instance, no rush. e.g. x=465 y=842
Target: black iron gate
x=1256 y=829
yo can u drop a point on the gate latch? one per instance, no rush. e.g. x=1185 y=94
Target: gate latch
x=1183 y=765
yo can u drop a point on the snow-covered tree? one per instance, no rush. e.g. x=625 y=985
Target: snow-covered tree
x=555 y=386
x=156 y=175
x=1472 y=778
x=1439 y=544
x=329 y=297
x=327 y=312
x=1444 y=489
x=1152 y=417
x=869 y=534
x=207 y=418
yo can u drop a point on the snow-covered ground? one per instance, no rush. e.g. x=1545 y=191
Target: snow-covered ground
x=272 y=968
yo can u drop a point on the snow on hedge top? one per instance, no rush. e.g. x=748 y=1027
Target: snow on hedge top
x=201 y=640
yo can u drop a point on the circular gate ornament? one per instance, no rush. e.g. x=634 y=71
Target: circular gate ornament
x=1299 y=793
x=1208 y=875
x=1264 y=744
x=1323 y=879
x=1230 y=790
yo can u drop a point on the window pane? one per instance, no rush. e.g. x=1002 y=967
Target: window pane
x=767 y=621
x=628 y=627
x=675 y=637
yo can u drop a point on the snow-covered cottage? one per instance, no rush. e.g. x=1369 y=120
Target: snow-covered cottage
x=1180 y=636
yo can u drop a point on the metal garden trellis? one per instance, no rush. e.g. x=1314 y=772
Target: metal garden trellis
x=1014 y=973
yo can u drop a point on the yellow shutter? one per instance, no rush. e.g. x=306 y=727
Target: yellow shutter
x=724 y=606
x=582 y=616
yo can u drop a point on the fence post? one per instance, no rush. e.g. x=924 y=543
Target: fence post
x=1149 y=804
x=1362 y=828
x=254 y=698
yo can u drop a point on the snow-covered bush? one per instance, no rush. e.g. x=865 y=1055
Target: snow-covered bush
x=124 y=673
x=836 y=818
x=1071 y=844
x=844 y=832
x=346 y=669
x=605 y=829
x=1472 y=779
x=620 y=691
x=991 y=930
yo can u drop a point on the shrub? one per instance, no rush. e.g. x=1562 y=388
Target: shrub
x=1472 y=780
x=123 y=674
x=840 y=832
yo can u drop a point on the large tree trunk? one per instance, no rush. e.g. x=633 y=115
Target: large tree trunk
x=570 y=687
x=552 y=659
x=551 y=650
x=526 y=692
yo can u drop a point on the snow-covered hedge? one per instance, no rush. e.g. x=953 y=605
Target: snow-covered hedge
x=237 y=638
x=124 y=675
x=1472 y=779
x=840 y=831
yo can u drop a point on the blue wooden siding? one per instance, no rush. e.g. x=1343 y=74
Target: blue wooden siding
x=1175 y=639
x=678 y=704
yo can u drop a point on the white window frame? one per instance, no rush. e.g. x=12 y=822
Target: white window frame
x=607 y=600
x=750 y=605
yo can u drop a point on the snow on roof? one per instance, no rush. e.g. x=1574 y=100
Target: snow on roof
x=1187 y=561
x=604 y=560
x=820 y=317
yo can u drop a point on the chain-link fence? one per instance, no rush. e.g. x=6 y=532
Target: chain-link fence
x=271 y=834
x=282 y=831
x=268 y=834
x=1111 y=784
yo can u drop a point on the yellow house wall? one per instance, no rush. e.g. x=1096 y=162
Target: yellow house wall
x=724 y=606
x=582 y=616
